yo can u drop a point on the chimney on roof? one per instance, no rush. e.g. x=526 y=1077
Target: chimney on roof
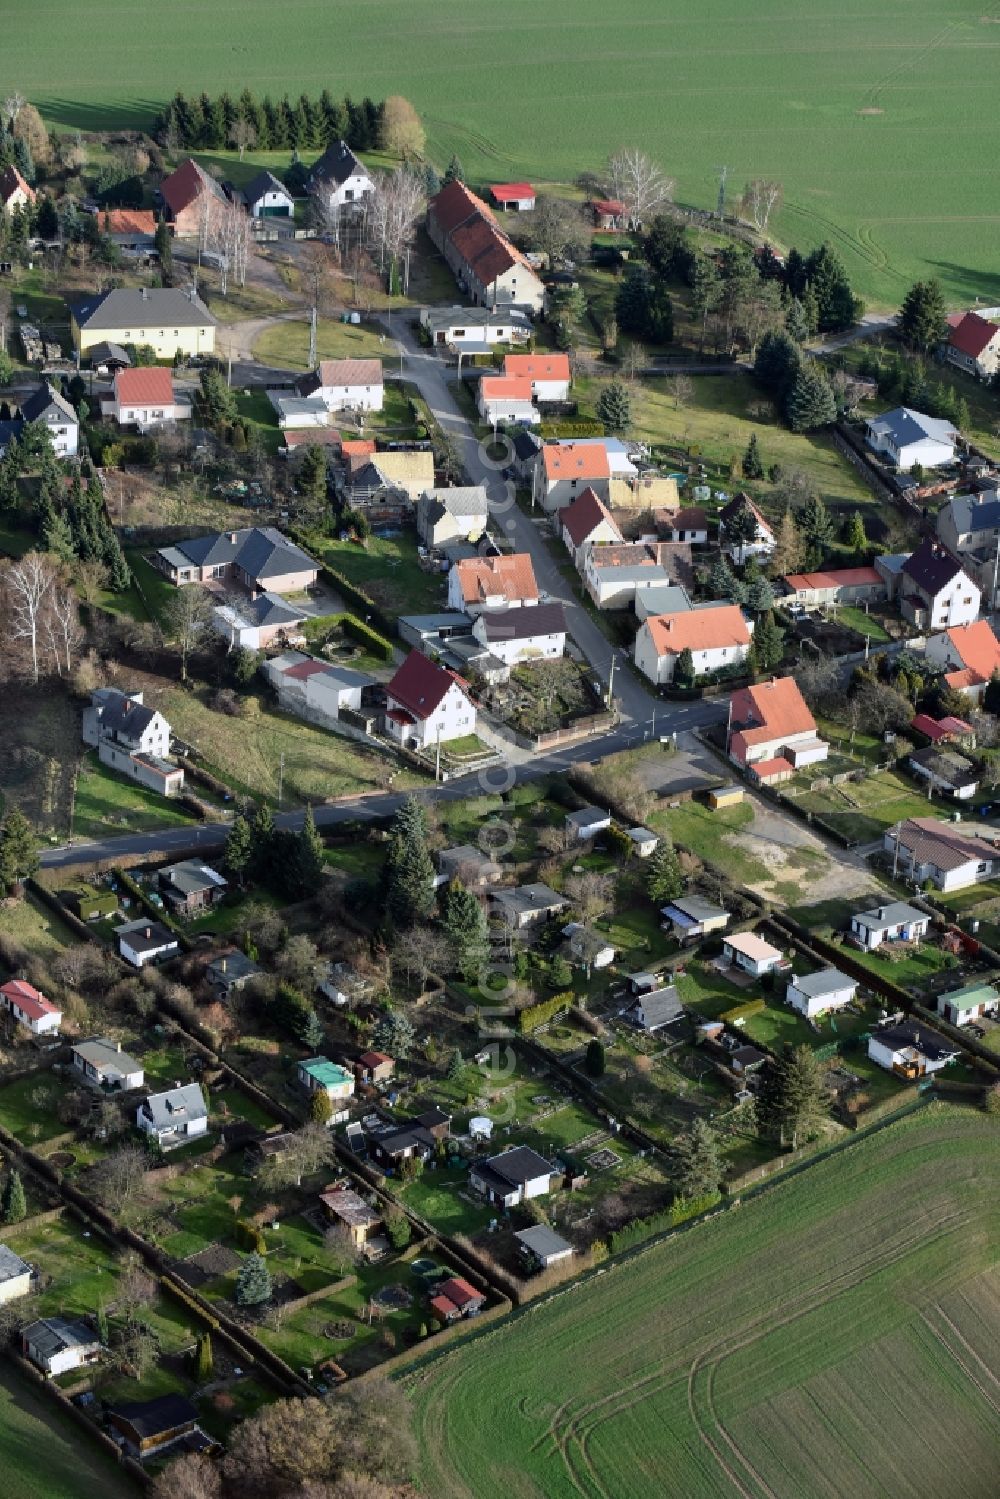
x=145 y=294
x=148 y=933
x=232 y=537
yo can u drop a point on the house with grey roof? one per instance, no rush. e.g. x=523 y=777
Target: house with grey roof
x=266 y=198
x=933 y=590
x=536 y=632
x=339 y=181
x=474 y=868
x=946 y=771
x=527 y=905
x=818 y=993
x=175 y=1116
x=458 y=513
x=47 y=406
x=167 y=319
x=190 y=886
x=230 y=971
x=132 y=738
x=691 y=916
x=969 y=526
x=586 y=823
x=516 y=1175
x=895 y=921
x=543 y=1246
x=254 y=623
x=905 y=438
x=145 y=942
x=656 y=1008
x=325 y=692
x=104 y=1065
x=56 y=1345
x=475 y=330
x=259 y=558
x=15 y=1275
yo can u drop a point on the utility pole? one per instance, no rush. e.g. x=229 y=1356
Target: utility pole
x=406 y=273
x=611 y=681
x=720 y=207
x=729 y=727
x=312 y=337
x=281 y=776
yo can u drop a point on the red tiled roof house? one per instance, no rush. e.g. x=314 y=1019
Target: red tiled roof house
x=974 y=345
x=563 y=470
x=972 y=652
x=771 y=731
x=30 y=1008
x=484 y=261
x=588 y=522
x=715 y=637
x=144 y=398
x=426 y=705
x=845 y=585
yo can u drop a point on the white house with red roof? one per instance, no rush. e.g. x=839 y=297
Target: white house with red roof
x=479 y=583
x=771 y=731
x=30 y=1008
x=502 y=398
x=563 y=470
x=491 y=269
x=145 y=398
x=14 y=191
x=970 y=654
x=974 y=343
x=588 y=522
x=513 y=197
x=427 y=705
x=716 y=637
x=548 y=374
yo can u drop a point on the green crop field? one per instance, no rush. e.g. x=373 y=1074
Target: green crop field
x=834 y=1336
x=44 y=1456
x=866 y=114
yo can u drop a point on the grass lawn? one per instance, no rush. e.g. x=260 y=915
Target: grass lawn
x=286 y=346
x=387 y=569
x=716 y=421
x=707 y=1351
x=36 y=927
x=106 y=803
x=14 y=540
x=319 y=766
x=865 y=624
x=696 y=827
x=30 y=1121
x=43 y=1453
x=356 y=860
x=227 y=916
x=149 y=596
x=257 y=410
x=862 y=810
x=241 y=1105
x=919 y=965
x=442 y=1196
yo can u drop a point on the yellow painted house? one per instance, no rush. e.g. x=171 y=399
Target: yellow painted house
x=166 y=318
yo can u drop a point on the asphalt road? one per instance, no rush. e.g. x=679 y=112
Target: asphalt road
x=205 y=838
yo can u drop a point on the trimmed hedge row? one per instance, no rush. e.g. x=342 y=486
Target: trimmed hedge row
x=365 y=635
x=641 y=1229
x=743 y=1011
x=530 y=1019
x=571 y=428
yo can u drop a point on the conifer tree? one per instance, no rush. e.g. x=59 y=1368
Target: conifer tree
x=13 y=1207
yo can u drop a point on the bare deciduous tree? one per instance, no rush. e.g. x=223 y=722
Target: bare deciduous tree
x=117 y=1179
x=592 y=893
x=393 y=209
x=638 y=184
x=27 y=586
x=61 y=624
x=192 y=1476
x=760 y=199
x=242 y=135
x=188 y=619
x=309 y=1150
x=421 y=952
x=231 y=237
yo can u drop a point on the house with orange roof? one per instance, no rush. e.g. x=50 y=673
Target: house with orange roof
x=564 y=470
x=504 y=398
x=133 y=230
x=14 y=191
x=588 y=522
x=145 y=398
x=772 y=732
x=548 y=374
x=486 y=264
x=427 y=705
x=974 y=344
x=476 y=584
x=969 y=654
x=843 y=585
x=716 y=637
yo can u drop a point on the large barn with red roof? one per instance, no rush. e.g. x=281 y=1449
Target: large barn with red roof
x=491 y=269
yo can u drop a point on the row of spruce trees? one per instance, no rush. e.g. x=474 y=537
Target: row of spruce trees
x=207 y=123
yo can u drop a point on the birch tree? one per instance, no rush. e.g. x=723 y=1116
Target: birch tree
x=395 y=206
x=639 y=185
x=760 y=199
x=61 y=624
x=27 y=585
x=231 y=237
